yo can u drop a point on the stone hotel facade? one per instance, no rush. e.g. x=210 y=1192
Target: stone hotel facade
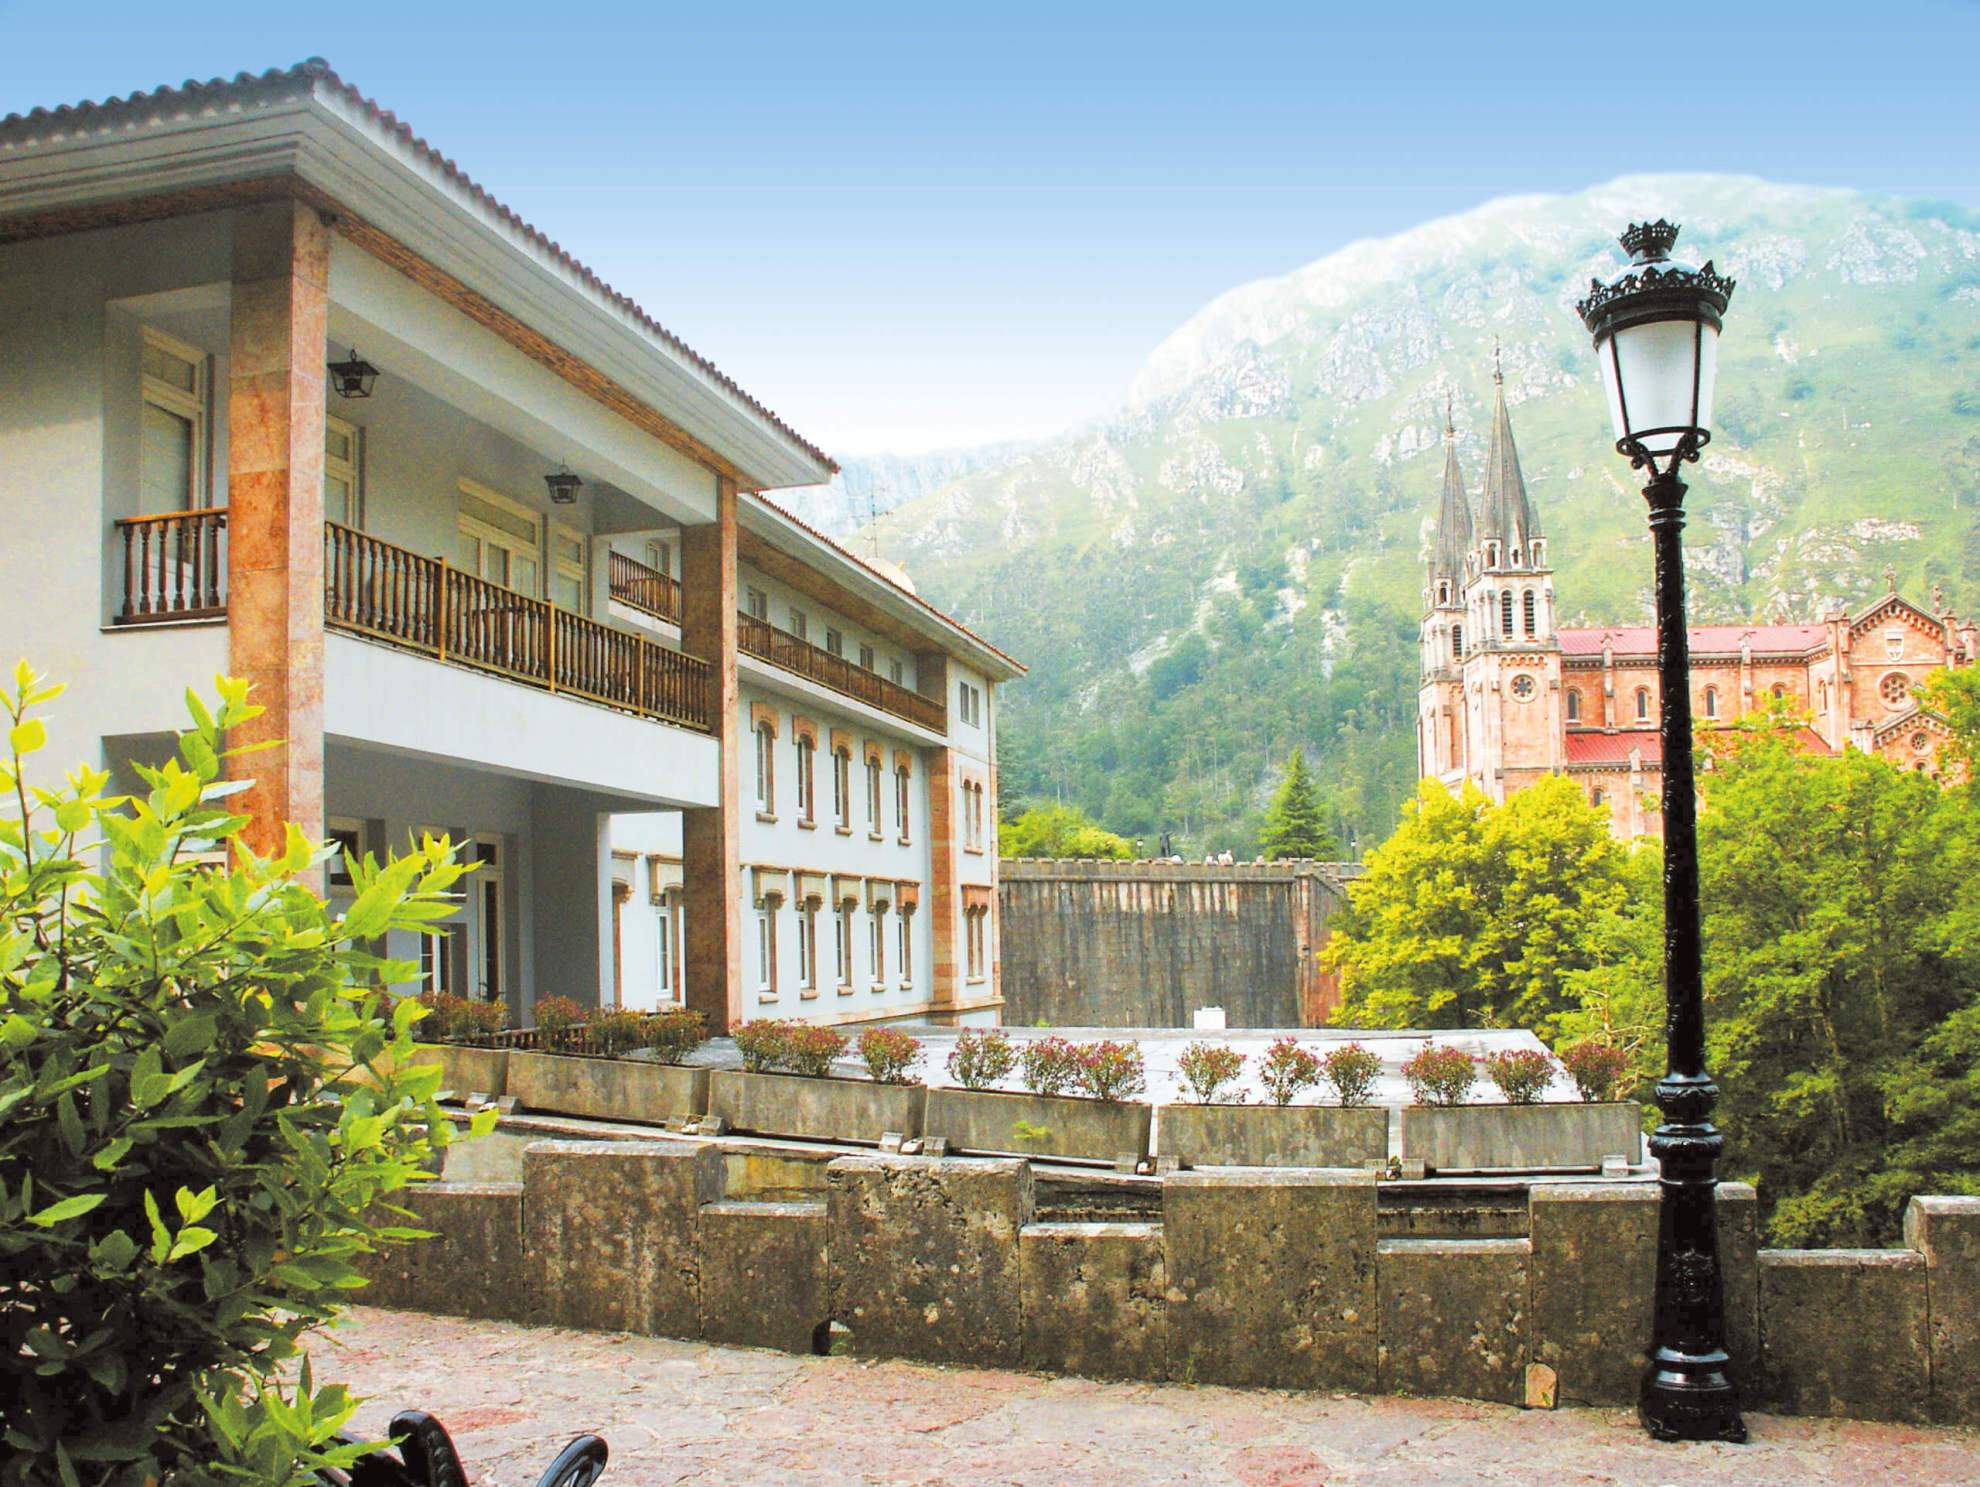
x=284 y=394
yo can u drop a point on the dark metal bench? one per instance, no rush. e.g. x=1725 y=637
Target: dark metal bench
x=427 y=1458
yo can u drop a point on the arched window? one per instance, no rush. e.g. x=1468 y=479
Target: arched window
x=1595 y=796
x=1443 y=593
x=1506 y=614
x=1642 y=702
x=1711 y=702
x=1457 y=642
x=1532 y=614
x=1574 y=705
x=1779 y=691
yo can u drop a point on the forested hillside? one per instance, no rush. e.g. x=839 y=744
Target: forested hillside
x=1231 y=568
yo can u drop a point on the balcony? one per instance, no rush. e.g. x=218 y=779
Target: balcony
x=175 y=570
x=646 y=589
x=765 y=641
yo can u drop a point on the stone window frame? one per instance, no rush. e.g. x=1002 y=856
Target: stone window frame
x=763 y=728
x=903 y=792
x=842 y=782
x=804 y=735
x=876 y=805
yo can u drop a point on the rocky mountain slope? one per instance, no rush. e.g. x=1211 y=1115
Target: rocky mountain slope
x=1233 y=565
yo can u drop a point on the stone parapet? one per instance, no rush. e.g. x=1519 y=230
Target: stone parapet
x=765 y=1282
x=1845 y=1332
x=1454 y=1317
x=472 y=1267
x=1095 y=1300
x=1947 y=1232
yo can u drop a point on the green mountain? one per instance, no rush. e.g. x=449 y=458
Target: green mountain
x=1233 y=566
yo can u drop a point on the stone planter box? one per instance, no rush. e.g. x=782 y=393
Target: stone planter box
x=465 y=1071
x=816 y=1109
x=1273 y=1136
x=1038 y=1125
x=1519 y=1136
x=633 y=1089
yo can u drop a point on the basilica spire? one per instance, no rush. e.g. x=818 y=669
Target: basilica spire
x=1453 y=520
x=1507 y=515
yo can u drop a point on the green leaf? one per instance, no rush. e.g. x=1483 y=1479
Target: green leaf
x=68 y=1208
x=191 y=1240
x=27 y=736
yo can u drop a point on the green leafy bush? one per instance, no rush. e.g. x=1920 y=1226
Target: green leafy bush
x=1207 y=1067
x=809 y=1051
x=1048 y=1066
x=1352 y=1070
x=674 y=1032
x=1522 y=1074
x=479 y=1019
x=1439 y=1075
x=559 y=1014
x=1110 y=1070
x=979 y=1060
x=615 y=1030
x=205 y=1097
x=762 y=1042
x=1596 y=1067
x=889 y=1055
x=453 y=1019
x=1287 y=1069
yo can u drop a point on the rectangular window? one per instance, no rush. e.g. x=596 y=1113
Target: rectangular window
x=663 y=942
x=842 y=805
x=343 y=472
x=866 y=658
x=876 y=947
x=873 y=798
x=807 y=794
x=799 y=624
x=766 y=951
x=901 y=802
x=974 y=921
x=758 y=603
x=660 y=558
x=436 y=959
x=835 y=643
x=172 y=435
x=969 y=704
x=499 y=539
x=842 y=944
x=570 y=569
x=907 y=949
x=807 y=947
x=766 y=764
x=895 y=672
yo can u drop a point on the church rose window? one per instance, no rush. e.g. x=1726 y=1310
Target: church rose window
x=1894 y=688
x=1920 y=742
x=1522 y=687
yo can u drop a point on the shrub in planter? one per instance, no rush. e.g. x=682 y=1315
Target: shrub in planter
x=1596 y=1069
x=478 y=1019
x=979 y=1060
x=444 y=1010
x=1522 y=1074
x=559 y=1014
x=1287 y=1069
x=1111 y=1071
x=673 y=1033
x=1440 y=1076
x=208 y=1100
x=809 y=1051
x=615 y=1030
x=889 y=1054
x=1048 y=1066
x=762 y=1042
x=1207 y=1067
x=1352 y=1070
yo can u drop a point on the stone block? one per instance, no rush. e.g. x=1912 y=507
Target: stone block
x=1454 y=1317
x=1739 y=1278
x=1593 y=1273
x=607 y=1088
x=473 y=1264
x=925 y=1256
x=1273 y=1135
x=1038 y=1125
x=1520 y=1137
x=1094 y=1302
x=1271 y=1278
x=610 y=1233
x=815 y=1109
x=1845 y=1332
x=1947 y=1232
x=764 y=1279
x=465 y=1071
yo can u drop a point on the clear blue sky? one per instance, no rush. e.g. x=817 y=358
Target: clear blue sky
x=922 y=225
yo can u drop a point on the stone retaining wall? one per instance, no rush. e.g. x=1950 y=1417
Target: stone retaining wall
x=1261 y=1277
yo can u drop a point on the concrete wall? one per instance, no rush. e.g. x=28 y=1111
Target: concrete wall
x=1256 y=1279
x=1144 y=944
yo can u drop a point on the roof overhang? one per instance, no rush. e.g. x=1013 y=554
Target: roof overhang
x=307 y=134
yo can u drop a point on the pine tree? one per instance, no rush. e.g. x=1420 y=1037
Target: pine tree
x=1295 y=822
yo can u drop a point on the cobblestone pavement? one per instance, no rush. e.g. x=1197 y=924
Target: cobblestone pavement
x=690 y=1413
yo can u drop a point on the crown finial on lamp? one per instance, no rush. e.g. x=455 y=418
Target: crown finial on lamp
x=1649 y=242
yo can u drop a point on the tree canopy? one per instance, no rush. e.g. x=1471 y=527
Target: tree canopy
x=1059 y=831
x=1296 y=824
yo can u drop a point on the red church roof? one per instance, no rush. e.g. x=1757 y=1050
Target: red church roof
x=1716 y=640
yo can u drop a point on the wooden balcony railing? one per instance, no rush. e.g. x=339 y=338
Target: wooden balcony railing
x=644 y=588
x=175 y=566
x=388 y=593
x=781 y=648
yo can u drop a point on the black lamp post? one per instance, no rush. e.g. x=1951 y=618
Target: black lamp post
x=1656 y=329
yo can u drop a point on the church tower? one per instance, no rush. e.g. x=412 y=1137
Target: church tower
x=1440 y=729
x=1512 y=665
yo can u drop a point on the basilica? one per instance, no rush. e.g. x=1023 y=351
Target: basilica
x=1508 y=697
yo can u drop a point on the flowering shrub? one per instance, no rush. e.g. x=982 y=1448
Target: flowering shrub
x=478 y=1019
x=557 y=1014
x=1287 y=1069
x=1352 y=1071
x=1111 y=1071
x=809 y=1051
x=979 y=1060
x=1440 y=1076
x=1207 y=1067
x=889 y=1054
x=673 y=1033
x=615 y=1030
x=761 y=1043
x=1596 y=1068
x=1048 y=1066
x=1522 y=1074
x=443 y=1015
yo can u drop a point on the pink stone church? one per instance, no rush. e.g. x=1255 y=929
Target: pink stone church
x=1507 y=697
